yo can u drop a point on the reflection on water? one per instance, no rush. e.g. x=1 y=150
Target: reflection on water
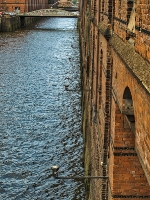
x=40 y=121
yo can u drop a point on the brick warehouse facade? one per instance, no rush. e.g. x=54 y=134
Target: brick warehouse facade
x=22 y=5
x=115 y=50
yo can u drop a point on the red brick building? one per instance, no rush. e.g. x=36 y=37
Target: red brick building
x=22 y=5
x=65 y=3
x=115 y=40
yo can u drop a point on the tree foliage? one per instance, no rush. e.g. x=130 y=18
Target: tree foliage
x=74 y=1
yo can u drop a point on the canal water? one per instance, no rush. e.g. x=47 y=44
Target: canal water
x=40 y=112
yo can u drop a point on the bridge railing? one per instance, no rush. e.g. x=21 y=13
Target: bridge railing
x=49 y=13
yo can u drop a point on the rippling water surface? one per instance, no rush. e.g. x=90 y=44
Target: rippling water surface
x=40 y=112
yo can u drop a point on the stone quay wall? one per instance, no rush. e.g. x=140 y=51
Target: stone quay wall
x=10 y=23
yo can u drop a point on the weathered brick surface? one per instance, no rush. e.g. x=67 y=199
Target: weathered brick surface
x=128 y=177
x=141 y=104
x=119 y=78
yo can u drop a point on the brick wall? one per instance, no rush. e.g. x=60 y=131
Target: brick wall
x=23 y=5
x=115 y=57
x=128 y=176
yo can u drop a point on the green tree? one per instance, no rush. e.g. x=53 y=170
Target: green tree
x=74 y=1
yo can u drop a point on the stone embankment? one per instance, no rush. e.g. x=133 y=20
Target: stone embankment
x=10 y=23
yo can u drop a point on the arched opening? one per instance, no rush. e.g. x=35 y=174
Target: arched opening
x=125 y=165
x=128 y=110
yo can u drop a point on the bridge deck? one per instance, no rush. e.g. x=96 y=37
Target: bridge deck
x=49 y=13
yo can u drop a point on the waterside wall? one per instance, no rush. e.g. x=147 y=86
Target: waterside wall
x=10 y=23
x=115 y=49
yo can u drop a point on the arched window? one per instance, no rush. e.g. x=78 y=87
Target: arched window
x=128 y=109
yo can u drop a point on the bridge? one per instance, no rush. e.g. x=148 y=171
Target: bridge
x=49 y=13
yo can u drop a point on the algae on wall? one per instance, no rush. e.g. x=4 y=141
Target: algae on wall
x=10 y=23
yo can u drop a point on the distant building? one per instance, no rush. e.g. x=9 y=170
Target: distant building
x=65 y=3
x=22 y=5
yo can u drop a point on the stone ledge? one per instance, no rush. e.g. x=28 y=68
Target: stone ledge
x=135 y=62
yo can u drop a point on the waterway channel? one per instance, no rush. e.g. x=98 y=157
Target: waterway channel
x=40 y=112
